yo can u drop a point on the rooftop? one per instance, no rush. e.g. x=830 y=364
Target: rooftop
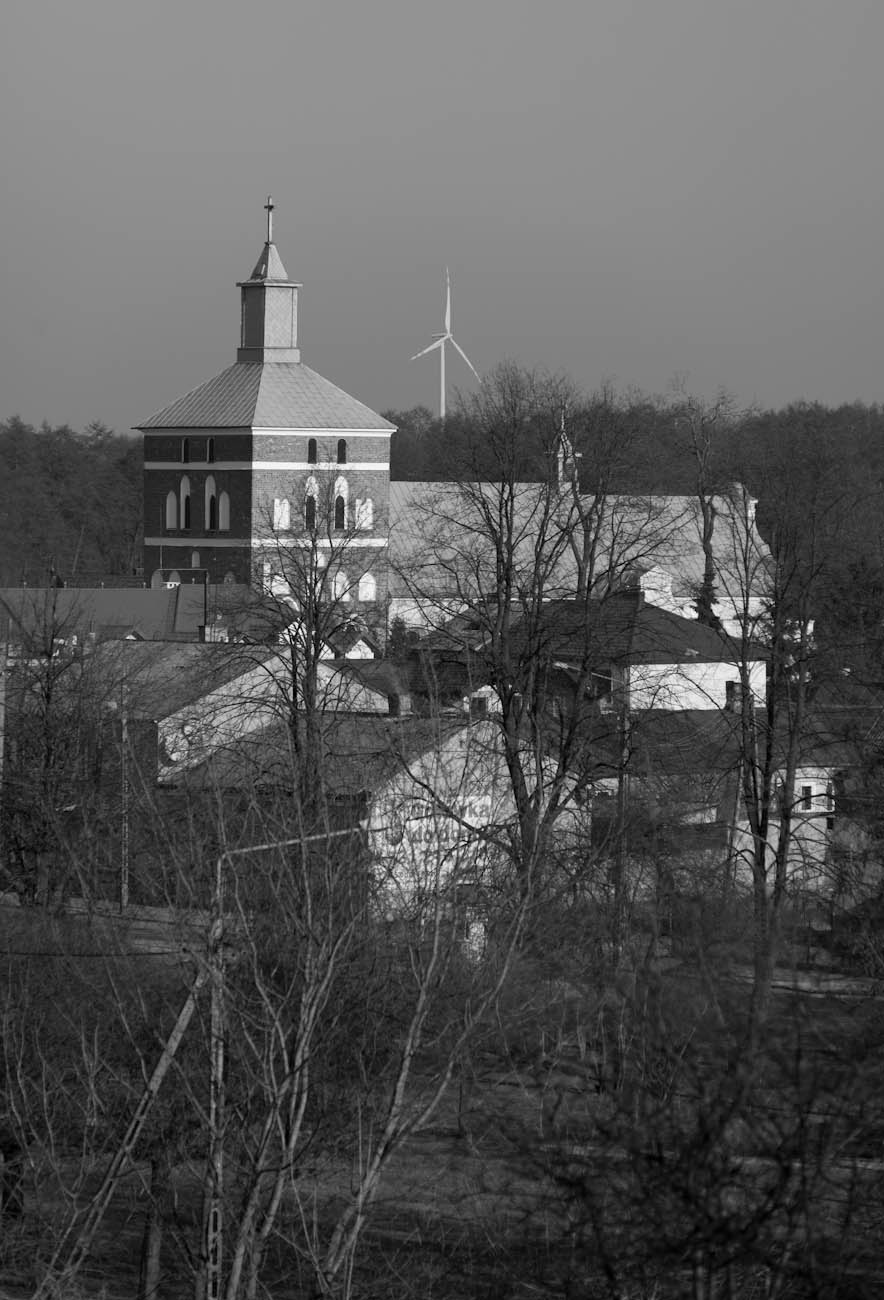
x=267 y=395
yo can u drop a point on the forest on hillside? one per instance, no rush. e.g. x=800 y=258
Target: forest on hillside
x=70 y=504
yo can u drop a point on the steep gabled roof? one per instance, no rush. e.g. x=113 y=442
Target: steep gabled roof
x=267 y=395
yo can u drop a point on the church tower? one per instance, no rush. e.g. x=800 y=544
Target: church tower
x=267 y=462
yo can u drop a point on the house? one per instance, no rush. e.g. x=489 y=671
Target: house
x=621 y=651
x=430 y=796
x=672 y=786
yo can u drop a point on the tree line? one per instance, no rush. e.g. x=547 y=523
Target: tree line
x=70 y=504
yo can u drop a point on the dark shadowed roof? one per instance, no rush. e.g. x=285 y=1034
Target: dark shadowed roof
x=162 y=678
x=361 y=753
x=268 y=395
x=624 y=628
x=59 y=613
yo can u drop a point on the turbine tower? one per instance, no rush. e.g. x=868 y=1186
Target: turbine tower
x=439 y=342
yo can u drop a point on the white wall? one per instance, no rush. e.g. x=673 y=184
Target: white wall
x=688 y=685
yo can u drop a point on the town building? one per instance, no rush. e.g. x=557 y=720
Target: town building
x=268 y=468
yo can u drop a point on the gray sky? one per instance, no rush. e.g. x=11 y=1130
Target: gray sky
x=625 y=189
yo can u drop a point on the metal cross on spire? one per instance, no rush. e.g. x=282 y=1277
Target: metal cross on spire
x=268 y=208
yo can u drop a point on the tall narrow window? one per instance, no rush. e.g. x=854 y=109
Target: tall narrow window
x=311 y=451
x=341 y=586
x=281 y=513
x=367 y=587
x=807 y=798
x=184 y=494
x=194 y=559
x=342 y=451
x=340 y=498
x=210 y=450
x=224 y=512
x=171 y=510
x=311 y=491
x=211 y=505
x=185 y=450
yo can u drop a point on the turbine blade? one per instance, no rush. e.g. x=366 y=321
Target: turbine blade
x=456 y=345
x=447 y=302
x=423 y=352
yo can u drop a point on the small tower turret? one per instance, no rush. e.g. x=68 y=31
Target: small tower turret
x=269 y=307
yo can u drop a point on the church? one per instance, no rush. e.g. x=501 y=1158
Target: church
x=268 y=465
x=268 y=475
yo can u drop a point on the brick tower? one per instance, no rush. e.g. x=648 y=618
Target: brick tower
x=268 y=460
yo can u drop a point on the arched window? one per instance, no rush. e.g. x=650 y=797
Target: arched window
x=341 y=586
x=211 y=515
x=281 y=513
x=210 y=450
x=311 y=451
x=184 y=495
x=311 y=491
x=185 y=450
x=174 y=579
x=171 y=510
x=368 y=588
x=365 y=513
x=341 y=495
x=342 y=451
x=194 y=559
x=224 y=512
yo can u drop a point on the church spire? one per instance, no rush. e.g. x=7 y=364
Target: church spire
x=269 y=315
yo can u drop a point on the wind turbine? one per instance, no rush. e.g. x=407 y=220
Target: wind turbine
x=440 y=341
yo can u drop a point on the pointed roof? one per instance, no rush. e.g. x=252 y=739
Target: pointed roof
x=269 y=267
x=268 y=395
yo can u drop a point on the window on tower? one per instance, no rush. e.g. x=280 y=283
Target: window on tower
x=281 y=513
x=184 y=496
x=341 y=497
x=311 y=490
x=211 y=515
